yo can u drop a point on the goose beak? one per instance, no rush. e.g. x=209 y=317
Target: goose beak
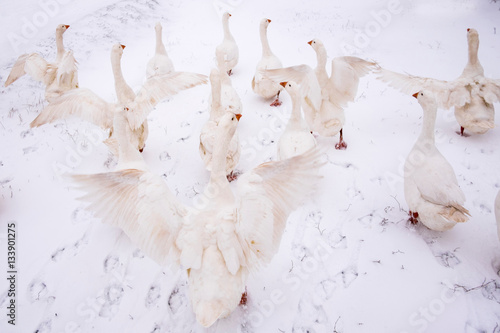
x=415 y=95
x=310 y=42
x=123 y=46
x=238 y=116
x=283 y=84
x=66 y=26
x=229 y=14
x=468 y=29
x=268 y=21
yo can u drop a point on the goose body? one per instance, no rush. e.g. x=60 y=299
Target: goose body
x=297 y=138
x=160 y=63
x=58 y=77
x=227 y=53
x=218 y=243
x=209 y=130
x=430 y=185
x=471 y=94
x=261 y=85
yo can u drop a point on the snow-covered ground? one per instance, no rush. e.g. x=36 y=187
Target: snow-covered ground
x=348 y=262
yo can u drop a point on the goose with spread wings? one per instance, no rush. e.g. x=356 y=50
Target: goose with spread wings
x=219 y=242
x=58 y=76
x=325 y=97
x=472 y=94
x=88 y=106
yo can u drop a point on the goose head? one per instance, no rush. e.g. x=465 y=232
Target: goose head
x=426 y=99
x=158 y=27
x=226 y=16
x=265 y=22
x=316 y=44
x=228 y=124
x=61 y=28
x=117 y=51
x=291 y=87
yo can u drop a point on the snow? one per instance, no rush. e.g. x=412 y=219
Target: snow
x=348 y=261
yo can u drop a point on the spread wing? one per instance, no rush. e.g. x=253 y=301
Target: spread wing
x=447 y=93
x=157 y=88
x=35 y=66
x=344 y=78
x=490 y=90
x=267 y=196
x=303 y=75
x=82 y=103
x=139 y=203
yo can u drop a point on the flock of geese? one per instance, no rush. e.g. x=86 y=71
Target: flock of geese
x=221 y=242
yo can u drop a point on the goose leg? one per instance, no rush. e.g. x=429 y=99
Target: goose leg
x=230 y=72
x=341 y=145
x=413 y=217
x=244 y=297
x=277 y=101
x=462 y=132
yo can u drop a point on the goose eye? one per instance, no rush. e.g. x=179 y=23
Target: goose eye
x=232 y=118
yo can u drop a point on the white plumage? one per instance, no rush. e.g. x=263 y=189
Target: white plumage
x=227 y=53
x=430 y=185
x=261 y=85
x=472 y=94
x=218 y=243
x=58 y=76
x=297 y=138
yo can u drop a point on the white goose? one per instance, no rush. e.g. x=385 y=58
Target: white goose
x=227 y=52
x=160 y=63
x=430 y=185
x=87 y=105
x=472 y=94
x=261 y=85
x=219 y=243
x=209 y=130
x=58 y=77
x=297 y=138
x=497 y=213
x=326 y=96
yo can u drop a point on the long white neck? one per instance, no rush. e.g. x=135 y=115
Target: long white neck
x=216 y=110
x=128 y=156
x=266 y=49
x=160 y=48
x=320 y=69
x=296 y=120
x=124 y=93
x=225 y=26
x=218 y=180
x=59 y=45
x=428 y=124
x=473 y=66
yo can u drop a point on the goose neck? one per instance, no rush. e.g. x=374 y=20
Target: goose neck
x=266 y=49
x=160 y=47
x=428 y=125
x=59 y=45
x=227 y=32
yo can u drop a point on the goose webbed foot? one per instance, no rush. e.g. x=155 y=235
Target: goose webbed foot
x=232 y=176
x=413 y=217
x=341 y=145
x=244 y=297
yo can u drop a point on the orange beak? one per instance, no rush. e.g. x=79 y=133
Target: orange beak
x=415 y=95
x=468 y=29
x=229 y=15
x=268 y=21
x=238 y=116
x=123 y=46
x=310 y=42
x=283 y=84
x=67 y=26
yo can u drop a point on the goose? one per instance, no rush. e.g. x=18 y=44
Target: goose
x=227 y=53
x=497 y=212
x=430 y=185
x=160 y=63
x=325 y=97
x=209 y=130
x=260 y=85
x=219 y=242
x=297 y=138
x=87 y=105
x=472 y=94
x=58 y=77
